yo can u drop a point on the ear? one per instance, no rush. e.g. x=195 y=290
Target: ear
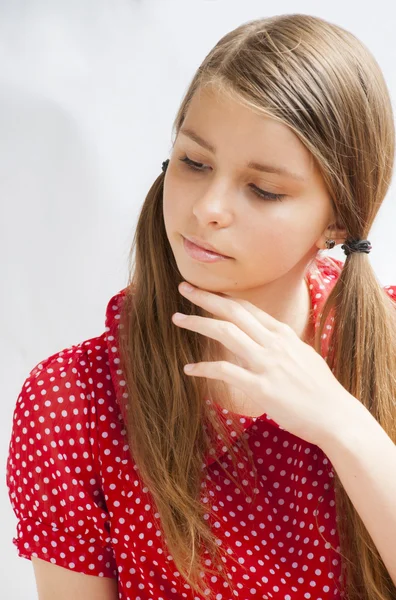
x=335 y=232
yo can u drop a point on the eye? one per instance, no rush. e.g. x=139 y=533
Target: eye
x=194 y=166
x=190 y=163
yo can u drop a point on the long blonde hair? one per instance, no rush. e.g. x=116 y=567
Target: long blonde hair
x=323 y=83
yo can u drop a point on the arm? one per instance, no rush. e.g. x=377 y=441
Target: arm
x=57 y=583
x=364 y=457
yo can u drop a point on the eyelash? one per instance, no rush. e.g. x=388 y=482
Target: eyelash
x=194 y=166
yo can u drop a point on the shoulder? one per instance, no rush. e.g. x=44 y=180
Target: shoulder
x=61 y=385
x=328 y=266
x=330 y=269
x=54 y=475
x=391 y=291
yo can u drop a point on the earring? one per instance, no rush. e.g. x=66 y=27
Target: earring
x=330 y=243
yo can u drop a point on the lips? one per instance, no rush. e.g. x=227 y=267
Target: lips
x=204 y=245
x=201 y=254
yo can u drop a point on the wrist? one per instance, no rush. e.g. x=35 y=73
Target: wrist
x=346 y=430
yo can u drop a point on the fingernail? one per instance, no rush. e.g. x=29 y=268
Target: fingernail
x=178 y=316
x=186 y=287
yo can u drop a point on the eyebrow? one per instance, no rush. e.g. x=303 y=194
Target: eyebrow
x=267 y=168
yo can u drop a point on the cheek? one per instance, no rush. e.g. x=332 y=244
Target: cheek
x=174 y=210
x=172 y=197
x=169 y=209
x=274 y=243
x=177 y=207
x=274 y=232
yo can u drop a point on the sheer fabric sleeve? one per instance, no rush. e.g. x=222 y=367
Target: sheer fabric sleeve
x=53 y=472
x=391 y=291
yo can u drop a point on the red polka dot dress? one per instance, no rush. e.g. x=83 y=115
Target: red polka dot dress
x=80 y=504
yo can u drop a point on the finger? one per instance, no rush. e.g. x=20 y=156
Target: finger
x=228 y=334
x=264 y=318
x=246 y=381
x=239 y=314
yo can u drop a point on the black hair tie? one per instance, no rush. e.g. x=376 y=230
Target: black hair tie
x=351 y=246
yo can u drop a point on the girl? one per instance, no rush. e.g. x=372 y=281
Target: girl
x=248 y=476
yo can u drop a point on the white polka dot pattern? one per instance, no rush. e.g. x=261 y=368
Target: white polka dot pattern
x=53 y=466
x=80 y=502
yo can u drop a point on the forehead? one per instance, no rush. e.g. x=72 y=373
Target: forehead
x=233 y=129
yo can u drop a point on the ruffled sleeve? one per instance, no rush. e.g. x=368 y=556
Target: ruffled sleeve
x=53 y=471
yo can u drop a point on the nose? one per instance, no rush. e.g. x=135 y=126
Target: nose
x=216 y=203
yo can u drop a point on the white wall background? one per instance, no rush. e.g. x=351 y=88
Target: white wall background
x=88 y=93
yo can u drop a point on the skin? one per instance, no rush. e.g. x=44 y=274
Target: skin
x=270 y=242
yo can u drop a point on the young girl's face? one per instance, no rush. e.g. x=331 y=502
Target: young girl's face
x=266 y=238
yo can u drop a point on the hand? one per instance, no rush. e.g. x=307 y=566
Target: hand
x=282 y=376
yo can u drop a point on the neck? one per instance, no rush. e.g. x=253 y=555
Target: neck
x=299 y=319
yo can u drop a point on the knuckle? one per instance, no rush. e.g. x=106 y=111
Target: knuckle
x=226 y=327
x=223 y=366
x=233 y=330
x=235 y=311
x=284 y=329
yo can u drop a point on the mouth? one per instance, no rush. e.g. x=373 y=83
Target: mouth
x=202 y=254
x=206 y=247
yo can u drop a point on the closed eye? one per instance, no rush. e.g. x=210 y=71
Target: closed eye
x=194 y=166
